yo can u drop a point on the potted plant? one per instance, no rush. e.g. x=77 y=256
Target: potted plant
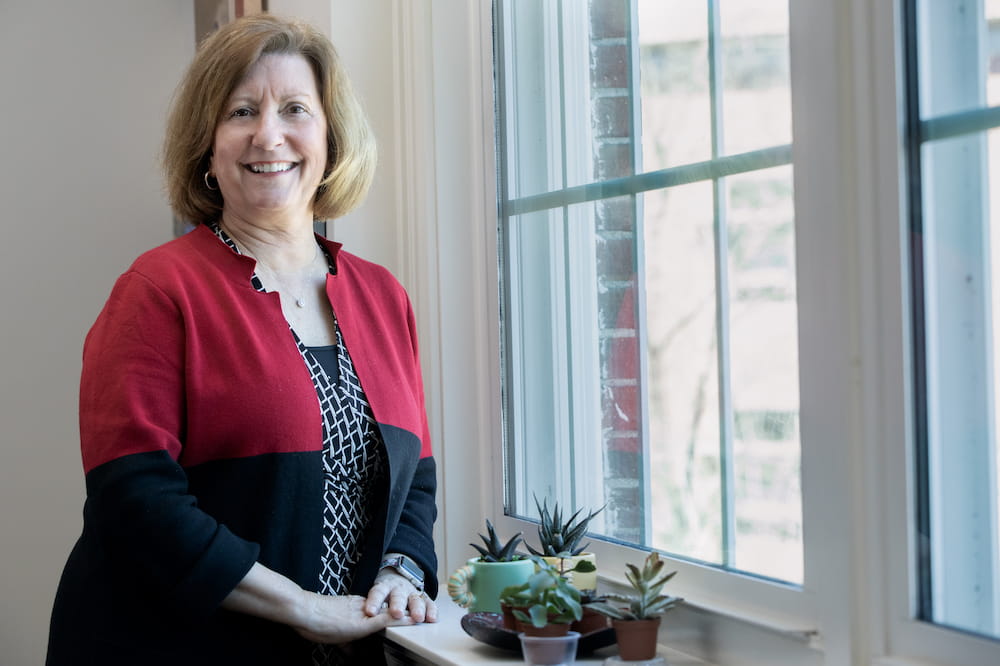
x=636 y=617
x=477 y=584
x=546 y=603
x=560 y=543
x=494 y=550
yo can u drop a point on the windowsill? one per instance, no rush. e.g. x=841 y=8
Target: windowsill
x=798 y=629
x=447 y=644
x=765 y=605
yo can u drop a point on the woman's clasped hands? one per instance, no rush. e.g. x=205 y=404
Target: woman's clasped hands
x=392 y=602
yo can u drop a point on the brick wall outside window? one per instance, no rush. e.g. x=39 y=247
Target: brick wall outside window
x=612 y=113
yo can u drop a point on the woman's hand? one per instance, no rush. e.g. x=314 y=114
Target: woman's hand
x=320 y=618
x=402 y=598
x=330 y=619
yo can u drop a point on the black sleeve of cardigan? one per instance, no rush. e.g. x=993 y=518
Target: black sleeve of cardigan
x=414 y=534
x=153 y=532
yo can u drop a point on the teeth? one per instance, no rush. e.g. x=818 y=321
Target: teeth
x=271 y=167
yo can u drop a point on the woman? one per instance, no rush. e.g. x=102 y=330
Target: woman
x=260 y=484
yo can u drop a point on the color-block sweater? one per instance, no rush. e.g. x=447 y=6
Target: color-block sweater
x=202 y=438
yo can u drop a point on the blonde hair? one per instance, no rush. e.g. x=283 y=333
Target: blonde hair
x=222 y=61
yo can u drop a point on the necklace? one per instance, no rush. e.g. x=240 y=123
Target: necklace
x=302 y=276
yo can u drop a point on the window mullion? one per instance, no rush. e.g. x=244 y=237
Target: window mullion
x=963 y=122
x=729 y=165
x=921 y=595
x=639 y=279
x=722 y=332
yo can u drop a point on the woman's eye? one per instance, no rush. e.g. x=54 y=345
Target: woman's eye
x=297 y=108
x=241 y=112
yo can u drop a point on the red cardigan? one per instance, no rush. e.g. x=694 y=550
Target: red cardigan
x=201 y=437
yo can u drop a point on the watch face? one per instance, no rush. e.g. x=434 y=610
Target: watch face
x=407 y=568
x=411 y=570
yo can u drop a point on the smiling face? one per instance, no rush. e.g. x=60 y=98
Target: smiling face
x=270 y=150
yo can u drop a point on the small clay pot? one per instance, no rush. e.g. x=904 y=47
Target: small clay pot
x=636 y=638
x=509 y=621
x=590 y=622
x=550 y=629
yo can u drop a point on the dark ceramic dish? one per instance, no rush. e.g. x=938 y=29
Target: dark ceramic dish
x=488 y=628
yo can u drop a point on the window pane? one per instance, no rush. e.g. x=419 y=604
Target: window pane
x=961 y=382
x=683 y=389
x=960 y=55
x=534 y=150
x=676 y=99
x=573 y=431
x=993 y=52
x=756 y=102
x=550 y=142
x=763 y=356
x=535 y=285
x=956 y=306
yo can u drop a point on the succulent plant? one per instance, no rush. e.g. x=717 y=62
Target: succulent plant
x=560 y=538
x=548 y=597
x=496 y=551
x=647 y=602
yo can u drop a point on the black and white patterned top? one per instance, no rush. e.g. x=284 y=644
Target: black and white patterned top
x=354 y=458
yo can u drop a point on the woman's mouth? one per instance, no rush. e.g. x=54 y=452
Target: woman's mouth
x=269 y=167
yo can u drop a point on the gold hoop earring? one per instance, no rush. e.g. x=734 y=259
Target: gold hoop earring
x=208 y=184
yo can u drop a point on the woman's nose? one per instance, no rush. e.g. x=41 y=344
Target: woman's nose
x=268 y=134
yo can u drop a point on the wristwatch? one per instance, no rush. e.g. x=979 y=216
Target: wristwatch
x=406 y=568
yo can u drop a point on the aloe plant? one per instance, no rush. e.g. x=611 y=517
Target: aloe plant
x=647 y=602
x=495 y=551
x=559 y=538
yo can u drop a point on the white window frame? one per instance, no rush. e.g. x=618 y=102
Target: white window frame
x=856 y=428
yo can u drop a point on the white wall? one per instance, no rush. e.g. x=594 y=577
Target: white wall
x=84 y=89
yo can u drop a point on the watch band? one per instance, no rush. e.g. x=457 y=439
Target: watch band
x=407 y=568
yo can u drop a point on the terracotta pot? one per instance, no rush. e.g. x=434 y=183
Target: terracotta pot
x=550 y=629
x=636 y=638
x=509 y=621
x=590 y=622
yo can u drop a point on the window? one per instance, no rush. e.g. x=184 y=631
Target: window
x=954 y=153
x=577 y=204
x=648 y=274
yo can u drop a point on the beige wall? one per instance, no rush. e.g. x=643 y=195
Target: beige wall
x=84 y=87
